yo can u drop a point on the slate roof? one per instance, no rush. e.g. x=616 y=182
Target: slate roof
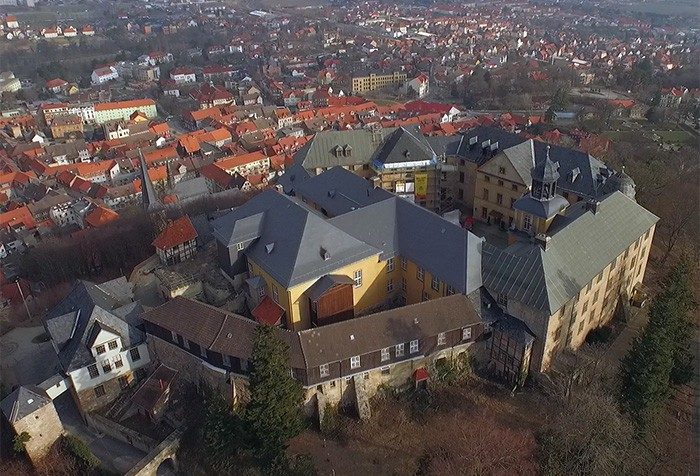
x=541 y=208
x=318 y=152
x=399 y=227
x=291 y=239
x=71 y=323
x=403 y=145
x=339 y=191
x=292 y=177
x=363 y=335
x=23 y=401
x=582 y=244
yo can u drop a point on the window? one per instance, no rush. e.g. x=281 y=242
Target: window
x=461 y=177
x=275 y=294
x=261 y=292
x=135 y=355
x=514 y=187
x=503 y=299
x=425 y=296
x=357 y=277
x=413 y=347
x=100 y=391
x=398 y=350
x=435 y=283
x=203 y=351
x=420 y=272
x=499 y=198
x=500 y=183
x=365 y=375
x=239 y=246
x=385 y=354
x=442 y=339
x=404 y=263
x=390 y=286
x=450 y=290
x=599 y=277
x=585 y=307
x=355 y=362
x=486 y=194
x=385 y=370
x=227 y=360
x=501 y=170
x=390 y=265
x=404 y=284
x=118 y=362
x=100 y=349
x=487 y=178
x=185 y=343
x=484 y=213
x=466 y=333
x=527 y=222
x=92 y=370
x=512 y=202
x=106 y=367
x=112 y=345
x=580 y=326
x=595 y=296
x=173 y=336
x=323 y=370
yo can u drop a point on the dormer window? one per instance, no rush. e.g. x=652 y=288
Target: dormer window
x=100 y=349
x=347 y=150
x=112 y=345
x=325 y=254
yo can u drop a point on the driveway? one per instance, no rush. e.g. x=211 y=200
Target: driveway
x=116 y=456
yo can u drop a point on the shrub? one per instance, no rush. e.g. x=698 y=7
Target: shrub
x=80 y=452
x=20 y=440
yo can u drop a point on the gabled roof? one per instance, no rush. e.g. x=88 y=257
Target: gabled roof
x=176 y=233
x=290 y=239
x=398 y=227
x=581 y=245
x=70 y=324
x=319 y=152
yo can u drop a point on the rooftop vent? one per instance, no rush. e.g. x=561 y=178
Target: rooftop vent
x=30 y=401
x=269 y=247
x=415 y=320
x=407 y=153
x=486 y=143
x=331 y=193
x=352 y=336
x=473 y=140
x=574 y=174
x=229 y=335
x=325 y=254
x=494 y=146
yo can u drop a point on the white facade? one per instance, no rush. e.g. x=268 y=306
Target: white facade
x=108 y=362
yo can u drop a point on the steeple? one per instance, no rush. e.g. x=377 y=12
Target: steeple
x=544 y=179
x=148 y=192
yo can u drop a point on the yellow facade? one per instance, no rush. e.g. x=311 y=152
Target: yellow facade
x=494 y=196
x=361 y=84
x=382 y=282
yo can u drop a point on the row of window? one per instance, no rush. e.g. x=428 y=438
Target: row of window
x=399 y=351
x=102 y=348
x=118 y=363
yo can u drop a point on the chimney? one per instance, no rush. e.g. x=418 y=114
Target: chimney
x=593 y=206
x=542 y=240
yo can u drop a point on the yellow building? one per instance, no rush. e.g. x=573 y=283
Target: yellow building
x=372 y=255
x=372 y=81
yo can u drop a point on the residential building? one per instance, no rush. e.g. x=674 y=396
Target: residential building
x=177 y=242
x=122 y=110
x=372 y=81
x=103 y=75
x=95 y=333
x=418 y=86
x=183 y=74
x=66 y=125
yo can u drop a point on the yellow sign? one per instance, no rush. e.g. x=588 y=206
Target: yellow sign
x=421 y=186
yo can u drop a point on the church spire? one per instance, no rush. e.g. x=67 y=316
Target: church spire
x=148 y=192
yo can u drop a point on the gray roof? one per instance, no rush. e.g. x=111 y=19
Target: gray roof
x=399 y=227
x=403 y=145
x=22 y=402
x=71 y=324
x=325 y=283
x=319 y=152
x=362 y=335
x=292 y=177
x=290 y=239
x=339 y=191
x=582 y=244
x=541 y=208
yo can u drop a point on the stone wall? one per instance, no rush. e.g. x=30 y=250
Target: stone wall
x=44 y=427
x=88 y=401
x=121 y=433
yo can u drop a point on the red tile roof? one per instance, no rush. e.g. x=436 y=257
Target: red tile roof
x=268 y=312
x=176 y=233
x=100 y=216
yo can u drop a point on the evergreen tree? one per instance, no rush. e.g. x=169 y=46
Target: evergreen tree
x=273 y=415
x=660 y=356
x=220 y=434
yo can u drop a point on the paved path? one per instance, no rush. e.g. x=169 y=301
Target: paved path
x=116 y=456
x=24 y=362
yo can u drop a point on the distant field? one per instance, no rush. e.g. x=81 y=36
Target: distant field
x=671 y=8
x=669 y=137
x=69 y=14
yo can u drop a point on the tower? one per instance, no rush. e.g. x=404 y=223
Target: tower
x=148 y=192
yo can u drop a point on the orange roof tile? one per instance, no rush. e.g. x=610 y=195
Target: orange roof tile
x=106 y=106
x=176 y=233
x=100 y=216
